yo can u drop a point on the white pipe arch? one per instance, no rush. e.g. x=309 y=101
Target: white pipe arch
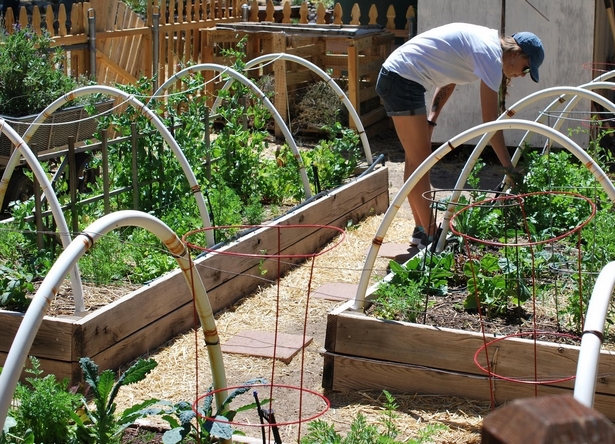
x=256 y=90
x=606 y=76
x=591 y=341
x=33 y=318
x=64 y=233
x=583 y=91
x=446 y=148
x=326 y=78
x=572 y=103
x=148 y=113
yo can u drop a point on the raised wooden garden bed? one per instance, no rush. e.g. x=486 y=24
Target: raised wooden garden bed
x=144 y=319
x=364 y=353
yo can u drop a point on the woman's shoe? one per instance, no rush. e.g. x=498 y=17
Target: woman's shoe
x=417 y=236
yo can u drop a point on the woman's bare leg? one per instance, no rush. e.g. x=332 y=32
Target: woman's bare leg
x=413 y=133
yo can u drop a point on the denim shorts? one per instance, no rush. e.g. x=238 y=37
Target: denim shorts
x=400 y=96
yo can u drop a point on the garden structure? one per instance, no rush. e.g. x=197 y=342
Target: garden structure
x=484 y=362
x=111 y=338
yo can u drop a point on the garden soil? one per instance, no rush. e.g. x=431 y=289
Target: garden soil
x=183 y=372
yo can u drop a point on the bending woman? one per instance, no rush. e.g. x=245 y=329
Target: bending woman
x=443 y=57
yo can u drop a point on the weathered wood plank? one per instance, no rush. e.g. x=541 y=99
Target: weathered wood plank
x=454 y=350
x=52 y=341
x=62 y=369
x=352 y=373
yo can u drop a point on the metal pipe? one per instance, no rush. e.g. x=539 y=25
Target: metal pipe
x=488 y=129
x=33 y=318
x=92 y=41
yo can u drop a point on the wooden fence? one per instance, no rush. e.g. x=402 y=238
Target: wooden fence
x=106 y=37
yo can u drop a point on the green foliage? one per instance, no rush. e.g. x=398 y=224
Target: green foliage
x=332 y=161
x=404 y=296
x=399 y=302
x=29 y=74
x=361 y=432
x=15 y=286
x=45 y=408
x=99 y=423
x=431 y=272
x=495 y=282
x=185 y=423
x=238 y=172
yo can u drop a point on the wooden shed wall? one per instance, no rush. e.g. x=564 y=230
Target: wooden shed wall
x=566 y=28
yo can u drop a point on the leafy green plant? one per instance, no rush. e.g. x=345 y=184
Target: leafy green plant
x=431 y=272
x=403 y=297
x=29 y=74
x=399 y=302
x=362 y=432
x=495 y=282
x=15 y=286
x=332 y=161
x=187 y=423
x=45 y=408
x=99 y=423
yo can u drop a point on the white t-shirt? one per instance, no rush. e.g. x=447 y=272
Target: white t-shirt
x=455 y=53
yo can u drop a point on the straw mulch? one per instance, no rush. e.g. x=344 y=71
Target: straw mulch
x=183 y=362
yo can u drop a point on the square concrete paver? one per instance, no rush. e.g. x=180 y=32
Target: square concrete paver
x=261 y=344
x=335 y=291
x=397 y=252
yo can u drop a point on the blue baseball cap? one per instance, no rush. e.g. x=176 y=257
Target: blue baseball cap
x=532 y=47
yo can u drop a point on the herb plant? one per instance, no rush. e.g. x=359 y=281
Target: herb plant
x=187 y=424
x=362 y=432
x=99 y=423
x=45 y=408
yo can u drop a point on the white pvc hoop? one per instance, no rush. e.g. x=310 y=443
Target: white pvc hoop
x=33 y=317
x=441 y=152
x=256 y=90
x=591 y=341
x=54 y=204
x=149 y=114
x=582 y=91
x=327 y=79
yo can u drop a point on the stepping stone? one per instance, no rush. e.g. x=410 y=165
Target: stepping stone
x=335 y=291
x=261 y=344
x=397 y=252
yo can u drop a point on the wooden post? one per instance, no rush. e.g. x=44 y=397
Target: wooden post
x=353 y=77
x=279 y=74
x=555 y=419
x=134 y=135
x=72 y=184
x=105 y=168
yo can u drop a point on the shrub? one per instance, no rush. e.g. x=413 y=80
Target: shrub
x=31 y=74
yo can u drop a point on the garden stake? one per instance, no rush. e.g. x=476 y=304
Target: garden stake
x=260 y=415
x=269 y=417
